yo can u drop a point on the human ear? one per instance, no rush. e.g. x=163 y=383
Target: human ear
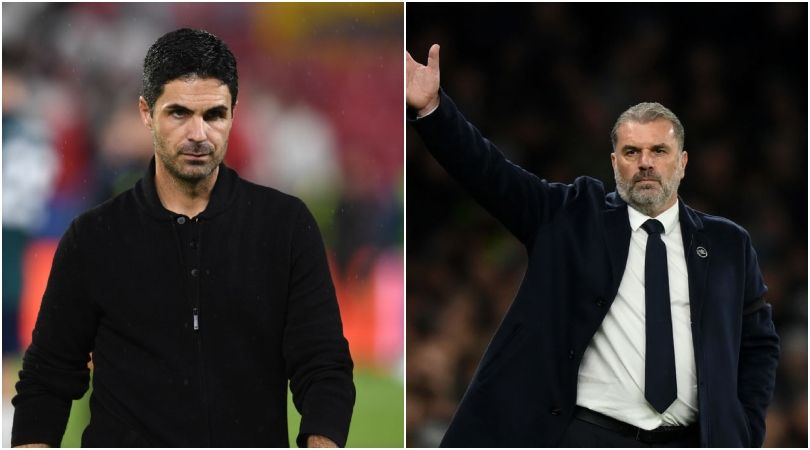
x=146 y=114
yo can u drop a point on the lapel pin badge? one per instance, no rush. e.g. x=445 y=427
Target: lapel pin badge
x=702 y=252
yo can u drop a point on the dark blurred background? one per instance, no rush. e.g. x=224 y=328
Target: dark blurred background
x=319 y=116
x=546 y=82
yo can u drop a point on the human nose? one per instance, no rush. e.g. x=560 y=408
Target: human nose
x=196 y=133
x=645 y=160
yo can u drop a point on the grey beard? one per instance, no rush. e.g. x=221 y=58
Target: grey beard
x=647 y=201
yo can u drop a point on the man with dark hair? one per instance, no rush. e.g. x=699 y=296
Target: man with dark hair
x=640 y=322
x=199 y=294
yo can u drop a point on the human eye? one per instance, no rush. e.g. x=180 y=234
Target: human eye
x=178 y=113
x=214 y=115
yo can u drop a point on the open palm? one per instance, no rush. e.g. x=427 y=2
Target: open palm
x=422 y=82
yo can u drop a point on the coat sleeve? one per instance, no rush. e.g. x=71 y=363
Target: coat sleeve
x=54 y=370
x=316 y=354
x=517 y=198
x=759 y=351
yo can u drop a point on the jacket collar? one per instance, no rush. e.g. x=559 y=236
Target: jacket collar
x=689 y=217
x=696 y=245
x=221 y=196
x=617 y=210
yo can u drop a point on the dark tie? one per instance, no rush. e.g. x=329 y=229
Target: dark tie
x=660 y=387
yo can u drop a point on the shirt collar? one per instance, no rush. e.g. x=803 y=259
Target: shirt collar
x=668 y=218
x=222 y=194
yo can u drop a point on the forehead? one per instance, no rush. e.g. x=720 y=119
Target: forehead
x=649 y=133
x=195 y=93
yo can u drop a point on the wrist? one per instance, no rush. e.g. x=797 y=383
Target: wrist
x=317 y=441
x=433 y=105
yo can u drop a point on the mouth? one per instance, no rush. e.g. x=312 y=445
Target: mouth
x=647 y=183
x=196 y=159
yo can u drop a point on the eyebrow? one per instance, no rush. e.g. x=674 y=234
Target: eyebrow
x=656 y=146
x=219 y=109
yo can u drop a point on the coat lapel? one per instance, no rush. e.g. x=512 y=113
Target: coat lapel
x=617 y=238
x=698 y=254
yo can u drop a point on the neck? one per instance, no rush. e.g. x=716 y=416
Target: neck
x=181 y=196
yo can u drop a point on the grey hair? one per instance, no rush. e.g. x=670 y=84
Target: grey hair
x=648 y=112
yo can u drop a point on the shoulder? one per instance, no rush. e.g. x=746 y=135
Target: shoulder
x=720 y=227
x=114 y=210
x=590 y=185
x=288 y=214
x=267 y=198
x=272 y=206
x=590 y=191
x=585 y=195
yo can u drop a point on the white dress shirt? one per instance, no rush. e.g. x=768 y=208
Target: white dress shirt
x=611 y=376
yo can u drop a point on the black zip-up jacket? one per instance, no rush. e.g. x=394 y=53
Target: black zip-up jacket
x=195 y=325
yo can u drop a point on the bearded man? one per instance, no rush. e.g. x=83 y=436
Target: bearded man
x=640 y=321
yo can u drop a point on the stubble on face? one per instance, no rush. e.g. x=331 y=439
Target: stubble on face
x=648 y=197
x=190 y=123
x=188 y=172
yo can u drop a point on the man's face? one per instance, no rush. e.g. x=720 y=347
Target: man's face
x=190 y=124
x=648 y=165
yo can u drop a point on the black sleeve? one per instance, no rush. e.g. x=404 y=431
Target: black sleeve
x=759 y=352
x=54 y=370
x=518 y=199
x=316 y=354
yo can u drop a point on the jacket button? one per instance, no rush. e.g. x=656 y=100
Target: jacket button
x=555 y=411
x=193 y=244
x=600 y=302
x=570 y=354
x=181 y=220
x=195 y=272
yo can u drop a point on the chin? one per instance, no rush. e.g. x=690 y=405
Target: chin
x=194 y=172
x=652 y=199
x=199 y=174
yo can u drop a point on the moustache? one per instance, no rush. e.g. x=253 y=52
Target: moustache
x=646 y=175
x=196 y=149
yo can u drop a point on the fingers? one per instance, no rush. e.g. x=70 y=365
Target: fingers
x=433 y=57
x=410 y=63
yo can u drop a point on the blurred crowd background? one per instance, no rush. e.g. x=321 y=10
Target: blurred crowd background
x=319 y=116
x=546 y=82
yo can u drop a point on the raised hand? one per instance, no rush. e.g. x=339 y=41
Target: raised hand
x=422 y=82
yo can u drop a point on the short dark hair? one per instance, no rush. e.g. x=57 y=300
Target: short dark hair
x=187 y=52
